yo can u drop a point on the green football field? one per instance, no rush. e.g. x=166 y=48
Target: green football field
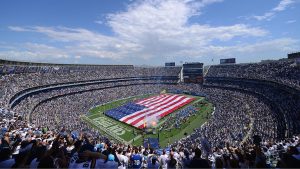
x=130 y=135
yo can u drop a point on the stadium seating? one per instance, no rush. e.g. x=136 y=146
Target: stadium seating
x=44 y=129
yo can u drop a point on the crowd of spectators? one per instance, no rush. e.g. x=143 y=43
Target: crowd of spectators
x=286 y=104
x=67 y=110
x=282 y=71
x=242 y=111
x=30 y=146
x=244 y=131
x=70 y=107
x=284 y=95
x=5 y=113
x=14 y=83
x=27 y=104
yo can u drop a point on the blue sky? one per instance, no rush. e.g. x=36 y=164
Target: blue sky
x=148 y=32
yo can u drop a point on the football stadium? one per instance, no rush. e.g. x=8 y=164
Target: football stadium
x=158 y=84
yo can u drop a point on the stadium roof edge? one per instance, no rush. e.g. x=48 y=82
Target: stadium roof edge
x=14 y=62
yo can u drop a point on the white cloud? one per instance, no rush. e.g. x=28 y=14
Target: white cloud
x=18 y=28
x=267 y=16
x=77 y=57
x=42 y=50
x=283 y=5
x=99 y=22
x=148 y=30
x=276 y=45
x=34 y=51
x=161 y=27
x=290 y=21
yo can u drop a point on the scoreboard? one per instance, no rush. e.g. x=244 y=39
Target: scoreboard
x=192 y=72
x=227 y=61
x=294 y=55
x=168 y=64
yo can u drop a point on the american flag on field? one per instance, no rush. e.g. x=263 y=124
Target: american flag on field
x=136 y=113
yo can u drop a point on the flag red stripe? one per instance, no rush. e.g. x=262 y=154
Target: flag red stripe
x=164 y=103
x=171 y=110
x=164 y=107
x=157 y=101
x=146 y=110
x=149 y=99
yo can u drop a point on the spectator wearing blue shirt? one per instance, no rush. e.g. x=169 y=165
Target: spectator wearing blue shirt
x=136 y=159
x=154 y=164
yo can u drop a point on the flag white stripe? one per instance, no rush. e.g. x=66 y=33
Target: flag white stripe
x=157 y=101
x=146 y=109
x=149 y=99
x=162 y=111
x=157 y=107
